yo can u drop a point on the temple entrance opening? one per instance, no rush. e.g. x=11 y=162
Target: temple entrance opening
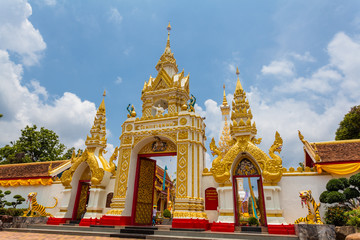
x=154 y=188
x=82 y=195
x=248 y=200
x=248 y=194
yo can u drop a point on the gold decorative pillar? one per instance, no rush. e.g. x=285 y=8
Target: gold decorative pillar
x=118 y=202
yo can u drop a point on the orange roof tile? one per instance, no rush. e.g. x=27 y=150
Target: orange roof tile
x=28 y=170
x=338 y=151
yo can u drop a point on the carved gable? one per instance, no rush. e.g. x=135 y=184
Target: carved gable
x=162 y=81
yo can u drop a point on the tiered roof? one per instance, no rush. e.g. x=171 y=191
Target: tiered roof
x=241 y=115
x=98 y=130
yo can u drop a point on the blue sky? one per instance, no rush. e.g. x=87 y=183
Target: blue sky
x=298 y=60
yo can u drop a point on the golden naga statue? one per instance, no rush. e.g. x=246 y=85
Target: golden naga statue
x=220 y=171
x=312 y=217
x=271 y=167
x=87 y=156
x=112 y=159
x=35 y=209
x=272 y=171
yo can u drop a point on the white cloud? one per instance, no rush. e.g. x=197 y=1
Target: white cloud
x=24 y=103
x=50 y=2
x=38 y=89
x=333 y=88
x=115 y=16
x=118 y=80
x=208 y=161
x=322 y=81
x=68 y=115
x=344 y=55
x=212 y=116
x=305 y=58
x=231 y=67
x=17 y=34
x=283 y=68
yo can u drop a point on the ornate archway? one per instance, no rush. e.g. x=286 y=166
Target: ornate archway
x=165 y=114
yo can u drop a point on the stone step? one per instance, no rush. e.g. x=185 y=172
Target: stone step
x=137 y=230
x=130 y=235
x=188 y=229
x=142 y=227
x=219 y=235
x=74 y=228
x=163 y=237
x=59 y=232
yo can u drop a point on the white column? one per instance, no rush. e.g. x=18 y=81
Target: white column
x=274 y=213
x=64 y=205
x=226 y=204
x=96 y=203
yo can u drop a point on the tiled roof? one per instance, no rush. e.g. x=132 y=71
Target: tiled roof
x=160 y=173
x=336 y=151
x=29 y=170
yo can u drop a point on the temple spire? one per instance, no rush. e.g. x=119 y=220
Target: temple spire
x=168 y=39
x=224 y=99
x=241 y=115
x=238 y=84
x=98 y=130
x=167 y=60
x=225 y=107
x=102 y=104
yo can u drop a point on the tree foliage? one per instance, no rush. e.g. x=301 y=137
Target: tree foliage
x=34 y=146
x=2 y=198
x=336 y=215
x=349 y=127
x=342 y=191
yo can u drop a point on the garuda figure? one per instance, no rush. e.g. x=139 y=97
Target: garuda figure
x=192 y=104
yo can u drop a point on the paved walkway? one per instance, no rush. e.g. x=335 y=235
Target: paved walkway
x=42 y=236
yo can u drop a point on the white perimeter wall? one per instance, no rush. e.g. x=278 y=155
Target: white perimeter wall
x=207 y=182
x=45 y=195
x=289 y=195
x=109 y=188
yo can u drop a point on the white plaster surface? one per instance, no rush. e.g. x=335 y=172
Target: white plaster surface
x=289 y=194
x=45 y=195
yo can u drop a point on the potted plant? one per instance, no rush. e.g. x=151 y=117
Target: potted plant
x=244 y=221
x=253 y=221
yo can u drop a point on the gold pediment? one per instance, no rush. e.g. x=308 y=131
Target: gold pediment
x=169 y=146
x=162 y=81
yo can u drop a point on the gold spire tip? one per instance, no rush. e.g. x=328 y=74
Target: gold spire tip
x=237 y=71
x=169 y=27
x=104 y=94
x=224 y=86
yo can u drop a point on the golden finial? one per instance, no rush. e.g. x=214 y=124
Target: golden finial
x=104 y=94
x=169 y=27
x=224 y=98
x=168 y=39
x=238 y=84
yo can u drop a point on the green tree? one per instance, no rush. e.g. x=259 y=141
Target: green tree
x=2 y=200
x=34 y=146
x=343 y=192
x=349 y=127
x=18 y=200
